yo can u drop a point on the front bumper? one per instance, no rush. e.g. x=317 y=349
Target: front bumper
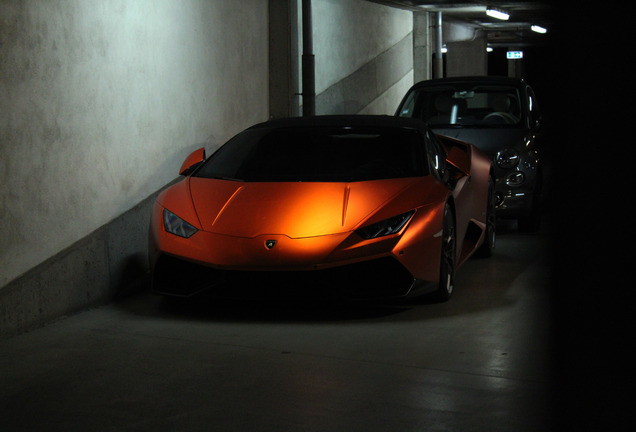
x=378 y=278
x=516 y=189
x=513 y=202
x=393 y=265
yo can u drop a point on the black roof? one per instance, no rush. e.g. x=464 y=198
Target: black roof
x=473 y=79
x=344 y=121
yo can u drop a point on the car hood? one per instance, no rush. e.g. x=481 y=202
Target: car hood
x=488 y=140
x=297 y=210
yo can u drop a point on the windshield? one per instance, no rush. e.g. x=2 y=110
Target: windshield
x=318 y=155
x=464 y=105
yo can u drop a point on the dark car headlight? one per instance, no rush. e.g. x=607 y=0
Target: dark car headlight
x=386 y=227
x=507 y=158
x=515 y=178
x=177 y=226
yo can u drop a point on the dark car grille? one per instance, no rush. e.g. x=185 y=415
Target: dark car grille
x=384 y=277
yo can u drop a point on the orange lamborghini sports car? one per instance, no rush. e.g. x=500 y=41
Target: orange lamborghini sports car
x=358 y=206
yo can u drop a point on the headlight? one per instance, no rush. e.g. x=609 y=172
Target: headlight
x=515 y=178
x=507 y=158
x=385 y=227
x=177 y=226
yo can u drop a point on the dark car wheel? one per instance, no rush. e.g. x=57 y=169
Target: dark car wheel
x=488 y=247
x=447 y=262
x=531 y=222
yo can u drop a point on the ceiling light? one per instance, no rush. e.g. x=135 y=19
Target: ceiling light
x=497 y=14
x=538 y=29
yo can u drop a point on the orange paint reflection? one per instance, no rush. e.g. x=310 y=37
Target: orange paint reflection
x=294 y=209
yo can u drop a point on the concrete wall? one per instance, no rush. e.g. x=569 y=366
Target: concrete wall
x=467 y=58
x=466 y=46
x=363 y=54
x=100 y=102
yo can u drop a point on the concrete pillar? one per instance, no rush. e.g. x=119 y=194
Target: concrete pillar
x=422 y=49
x=438 y=62
x=467 y=58
x=284 y=100
x=515 y=68
x=308 y=62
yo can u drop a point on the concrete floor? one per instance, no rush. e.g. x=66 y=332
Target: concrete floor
x=479 y=362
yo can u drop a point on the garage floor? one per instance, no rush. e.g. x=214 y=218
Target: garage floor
x=478 y=362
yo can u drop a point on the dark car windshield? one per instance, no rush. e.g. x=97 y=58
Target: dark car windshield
x=464 y=105
x=318 y=154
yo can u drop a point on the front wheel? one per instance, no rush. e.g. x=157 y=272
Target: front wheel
x=447 y=261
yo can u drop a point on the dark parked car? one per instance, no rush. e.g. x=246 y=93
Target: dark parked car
x=501 y=117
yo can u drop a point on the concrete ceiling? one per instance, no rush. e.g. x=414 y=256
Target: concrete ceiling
x=513 y=32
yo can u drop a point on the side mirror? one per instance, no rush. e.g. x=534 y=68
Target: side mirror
x=192 y=162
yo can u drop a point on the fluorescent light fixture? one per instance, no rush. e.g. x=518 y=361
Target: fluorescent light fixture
x=538 y=29
x=489 y=49
x=497 y=14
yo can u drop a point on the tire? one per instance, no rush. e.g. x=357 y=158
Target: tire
x=487 y=249
x=448 y=257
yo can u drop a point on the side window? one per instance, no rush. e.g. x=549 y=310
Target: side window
x=408 y=107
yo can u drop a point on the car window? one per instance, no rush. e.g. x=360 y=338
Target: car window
x=319 y=155
x=465 y=105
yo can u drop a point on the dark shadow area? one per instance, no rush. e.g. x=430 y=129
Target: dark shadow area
x=290 y=311
x=133 y=278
